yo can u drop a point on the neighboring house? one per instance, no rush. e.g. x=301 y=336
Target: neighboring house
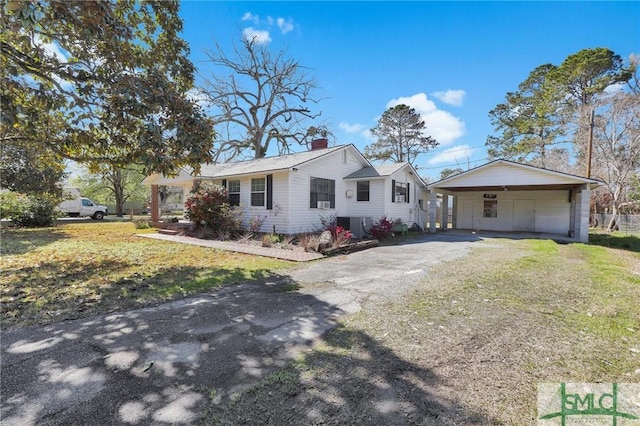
x=507 y=196
x=294 y=192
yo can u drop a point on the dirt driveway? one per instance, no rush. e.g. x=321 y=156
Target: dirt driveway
x=163 y=365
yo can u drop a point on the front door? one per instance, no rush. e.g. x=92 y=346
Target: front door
x=465 y=221
x=524 y=215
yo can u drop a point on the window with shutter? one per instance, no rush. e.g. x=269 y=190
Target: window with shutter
x=233 y=191
x=258 y=187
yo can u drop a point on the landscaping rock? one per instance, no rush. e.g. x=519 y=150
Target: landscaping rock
x=325 y=241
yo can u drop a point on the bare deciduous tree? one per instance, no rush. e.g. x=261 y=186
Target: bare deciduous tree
x=616 y=146
x=258 y=98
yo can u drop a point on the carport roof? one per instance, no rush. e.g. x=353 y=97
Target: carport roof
x=504 y=174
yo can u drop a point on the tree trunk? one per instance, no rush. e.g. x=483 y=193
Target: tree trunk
x=118 y=192
x=614 y=220
x=615 y=209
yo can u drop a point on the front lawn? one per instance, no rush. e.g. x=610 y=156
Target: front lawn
x=469 y=345
x=81 y=269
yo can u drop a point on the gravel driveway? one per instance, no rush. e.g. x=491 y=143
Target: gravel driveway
x=158 y=365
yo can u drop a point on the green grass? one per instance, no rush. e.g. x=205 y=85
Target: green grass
x=486 y=328
x=616 y=240
x=76 y=270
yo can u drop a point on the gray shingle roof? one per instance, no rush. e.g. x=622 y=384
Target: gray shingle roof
x=266 y=164
x=389 y=169
x=365 y=172
x=376 y=171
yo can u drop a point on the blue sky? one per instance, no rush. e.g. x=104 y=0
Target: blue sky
x=452 y=61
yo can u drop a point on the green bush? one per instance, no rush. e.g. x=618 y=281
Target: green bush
x=29 y=210
x=209 y=209
x=142 y=223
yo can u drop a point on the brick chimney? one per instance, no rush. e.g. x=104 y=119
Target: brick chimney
x=319 y=144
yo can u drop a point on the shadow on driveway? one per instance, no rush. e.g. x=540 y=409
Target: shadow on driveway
x=162 y=365
x=204 y=358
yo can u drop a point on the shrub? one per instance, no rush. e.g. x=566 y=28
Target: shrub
x=208 y=207
x=270 y=239
x=287 y=240
x=309 y=241
x=381 y=228
x=339 y=235
x=326 y=223
x=32 y=210
x=142 y=223
x=255 y=223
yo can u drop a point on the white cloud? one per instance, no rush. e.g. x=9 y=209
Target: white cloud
x=352 y=128
x=451 y=97
x=259 y=36
x=441 y=125
x=357 y=128
x=456 y=154
x=263 y=36
x=248 y=16
x=285 y=25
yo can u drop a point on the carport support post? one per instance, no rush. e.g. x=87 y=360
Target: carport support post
x=433 y=206
x=583 y=201
x=444 y=222
x=454 y=208
x=155 y=204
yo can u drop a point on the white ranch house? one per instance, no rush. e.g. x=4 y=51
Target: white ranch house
x=513 y=197
x=295 y=191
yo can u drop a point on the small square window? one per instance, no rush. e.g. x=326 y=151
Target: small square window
x=363 y=190
x=490 y=208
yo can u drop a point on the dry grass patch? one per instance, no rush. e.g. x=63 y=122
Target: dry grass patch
x=469 y=345
x=78 y=270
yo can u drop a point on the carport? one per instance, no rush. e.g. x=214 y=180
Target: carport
x=511 y=197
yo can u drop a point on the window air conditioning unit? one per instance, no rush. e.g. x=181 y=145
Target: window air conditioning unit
x=399 y=198
x=324 y=204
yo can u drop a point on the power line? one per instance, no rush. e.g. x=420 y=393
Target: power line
x=452 y=165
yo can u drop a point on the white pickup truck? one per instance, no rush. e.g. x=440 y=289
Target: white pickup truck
x=76 y=206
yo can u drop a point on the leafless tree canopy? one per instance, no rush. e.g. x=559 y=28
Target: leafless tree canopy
x=617 y=146
x=258 y=98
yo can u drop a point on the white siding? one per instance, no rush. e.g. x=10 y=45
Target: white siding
x=507 y=174
x=276 y=217
x=303 y=218
x=406 y=212
x=374 y=208
x=551 y=208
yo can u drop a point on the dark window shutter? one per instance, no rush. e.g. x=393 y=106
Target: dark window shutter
x=393 y=190
x=224 y=183
x=408 y=192
x=269 y=192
